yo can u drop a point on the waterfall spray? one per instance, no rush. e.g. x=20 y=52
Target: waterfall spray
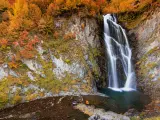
x=119 y=52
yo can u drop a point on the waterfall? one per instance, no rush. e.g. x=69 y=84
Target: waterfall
x=121 y=73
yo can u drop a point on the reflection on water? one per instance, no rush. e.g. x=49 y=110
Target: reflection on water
x=125 y=100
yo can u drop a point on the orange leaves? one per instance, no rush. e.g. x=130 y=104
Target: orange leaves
x=52 y=8
x=32 y=43
x=23 y=36
x=15 y=44
x=3 y=43
x=92 y=12
x=34 y=13
x=3 y=4
x=127 y=5
x=87 y=102
x=82 y=26
x=56 y=35
x=31 y=11
x=27 y=50
x=43 y=4
x=3 y=28
x=59 y=2
x=11 y=1
x=70 y=4
x=24 y=47
x=101 y=2
x=5 y=16
x=116 y=6
x=26 y=54
x=85 y=2
x=69 y=36
x=13 y=64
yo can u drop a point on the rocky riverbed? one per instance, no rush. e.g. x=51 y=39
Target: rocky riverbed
x=92 y=107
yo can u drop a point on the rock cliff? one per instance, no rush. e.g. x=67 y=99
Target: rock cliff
x=65 y=63
x=145 y=40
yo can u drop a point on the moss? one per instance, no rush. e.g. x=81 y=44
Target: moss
x=67 y=61
x=6 y=86
x=136 y=118
x=3 y=99
x=151 y=65
x=145 y=56
x=132 y=20
x=146 y=67
x=153 y=118
x=50 y=82
x=31 y=97
x=16 y=99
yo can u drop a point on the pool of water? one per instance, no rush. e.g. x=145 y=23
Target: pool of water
x=124 y=100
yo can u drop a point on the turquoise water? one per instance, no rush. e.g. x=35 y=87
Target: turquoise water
x=124 y=100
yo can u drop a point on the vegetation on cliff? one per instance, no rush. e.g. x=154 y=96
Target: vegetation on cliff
x=23 y=20
x=24 y=24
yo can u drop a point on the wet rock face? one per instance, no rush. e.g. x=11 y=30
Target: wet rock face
x=66 y=66
x=145 y=40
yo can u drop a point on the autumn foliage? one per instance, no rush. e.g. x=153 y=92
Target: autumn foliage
x=19 y=18
x=27 y=14
x=92 y=7
x=27 y=45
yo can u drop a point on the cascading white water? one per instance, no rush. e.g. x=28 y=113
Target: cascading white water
x=121 y=73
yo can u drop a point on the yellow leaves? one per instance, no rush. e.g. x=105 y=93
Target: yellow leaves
x=127 y=5
x=27 y=13
x=66 y=89
x=31 y=97
x=3 y=4
x=13 y=64
x=20 y=11
x=41 y=94
x=3 y=97
x=55 y=90
x=16 y=99
x=69 y=4
x=73 y=82
x=82 y=26
x=20 y=8
x=17 y=57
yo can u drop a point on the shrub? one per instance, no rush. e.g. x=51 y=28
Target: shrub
x=34 y=13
